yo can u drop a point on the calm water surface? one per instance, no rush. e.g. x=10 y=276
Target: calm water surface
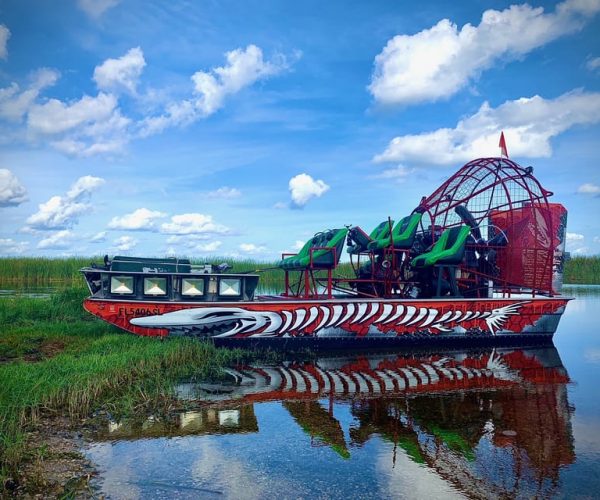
x=478 y=423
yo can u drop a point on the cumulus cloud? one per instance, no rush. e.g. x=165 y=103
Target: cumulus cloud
x=141 y=219
x=84 y=127
x=125 y=243
x=63 y=212
x=98 y=237
x=398 y=174
x=192 y=223
x=122 y=73
x=8 y=246
x=589 y=188
x=213 y=246
x=15 y=103
x=439 y=61
x=12 y=192
x=243 y=68
x=528 y=124
x=4 y=36
x=251 y=248
x=57 y=240
x=225 y=193
x=593 y=64
x=303 y=188
x=55 y=117
x=574 y=237
x=95 y=8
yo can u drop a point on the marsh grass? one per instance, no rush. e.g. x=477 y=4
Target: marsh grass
x=582 y=271
x=56 y=358
x=64 y=272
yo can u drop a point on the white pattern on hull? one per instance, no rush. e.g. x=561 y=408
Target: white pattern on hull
x=270 y=323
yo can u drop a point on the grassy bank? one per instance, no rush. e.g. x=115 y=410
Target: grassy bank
x=40 y=272
x=57 y=359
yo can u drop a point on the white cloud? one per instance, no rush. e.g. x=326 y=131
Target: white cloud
x=95 y=8
x=15 y=103
x=398 y=174
x=122 y=73
x=225 y=192
x=98 y=237
x=574 y=237
x=55 y=117
x=62 y=212
x=303 y=187
x=439 y=61
x=141 y=219
x=4 y=36
x=12 y=192
x=125 y=243
x=581 y=250
x=593 y=64
x=83 y=185
x=596 y=239
x=60 y=239
x=528 y=124
x=253 y=249
x=213 y=246
x=589 y=188
x=244 y=67
x=192 y=224
x=187 y=239
x=85 y=127
x=8 y=246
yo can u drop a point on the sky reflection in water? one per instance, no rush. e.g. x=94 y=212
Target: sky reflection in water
x=472 y=423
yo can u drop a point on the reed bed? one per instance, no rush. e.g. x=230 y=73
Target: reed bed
x=582 y=271
x=55 y=358
x=23 y=272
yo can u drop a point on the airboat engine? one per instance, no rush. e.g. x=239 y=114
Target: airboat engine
x=517 y=239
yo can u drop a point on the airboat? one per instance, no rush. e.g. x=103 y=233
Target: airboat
x=480 y=259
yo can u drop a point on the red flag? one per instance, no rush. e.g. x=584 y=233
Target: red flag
x=502 y=144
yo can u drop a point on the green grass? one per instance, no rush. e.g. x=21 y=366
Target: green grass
x=582 y=271
x=56 y=358
x=24 y=272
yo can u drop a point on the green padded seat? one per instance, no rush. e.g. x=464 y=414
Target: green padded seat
x=403 y=234
x=361 y=240
x=448 y=250
x=333 y=238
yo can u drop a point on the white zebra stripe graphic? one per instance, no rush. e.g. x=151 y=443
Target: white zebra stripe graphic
x=271 y=323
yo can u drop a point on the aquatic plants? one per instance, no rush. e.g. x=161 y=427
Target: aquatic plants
x=60 y=272
x=56 y=358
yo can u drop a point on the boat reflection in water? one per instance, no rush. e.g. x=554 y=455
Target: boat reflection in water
x=489 y=422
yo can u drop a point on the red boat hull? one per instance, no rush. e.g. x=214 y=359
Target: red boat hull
x=336 y=318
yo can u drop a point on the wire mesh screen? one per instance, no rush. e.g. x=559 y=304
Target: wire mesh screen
x=501 y=196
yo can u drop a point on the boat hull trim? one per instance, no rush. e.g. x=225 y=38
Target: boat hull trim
x=338 y=318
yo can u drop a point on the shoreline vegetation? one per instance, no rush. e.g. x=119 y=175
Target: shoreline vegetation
x=58 y=362
x=22 y=272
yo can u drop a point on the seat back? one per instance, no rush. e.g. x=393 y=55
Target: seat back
x=448 y=249
x=361 y=239
x=404 y=232
x=382 y=230
x=334 y=238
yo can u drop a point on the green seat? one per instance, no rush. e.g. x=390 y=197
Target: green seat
x=403 y=234
x=321 y=248
x=361 y=239
x=448 y=250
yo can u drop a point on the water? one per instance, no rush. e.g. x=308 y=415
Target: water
x=473 y=423
x=28 y=292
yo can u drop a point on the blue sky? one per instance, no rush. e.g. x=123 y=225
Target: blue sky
x=242 y=128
